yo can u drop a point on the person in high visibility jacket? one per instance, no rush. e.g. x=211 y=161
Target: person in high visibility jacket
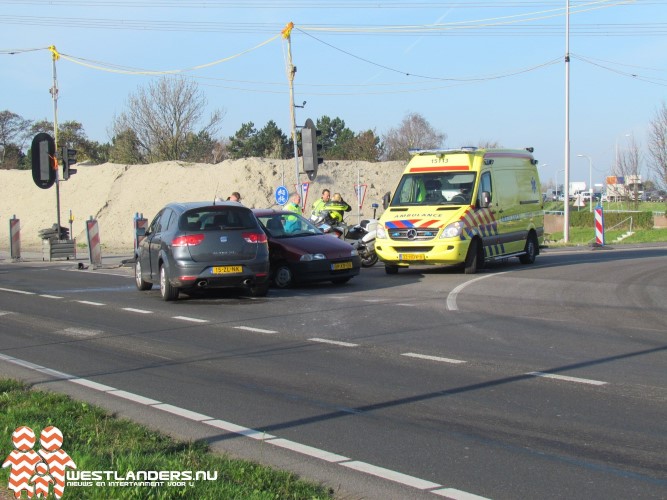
x=318 y=205
x=337 y=207
x=292 y=222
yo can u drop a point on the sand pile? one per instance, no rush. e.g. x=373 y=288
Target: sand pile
x=113 y=193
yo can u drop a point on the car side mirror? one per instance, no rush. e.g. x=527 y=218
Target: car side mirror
x=485 y=199
x=386 y=199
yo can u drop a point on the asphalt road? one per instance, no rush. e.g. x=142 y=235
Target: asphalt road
x=541 y=381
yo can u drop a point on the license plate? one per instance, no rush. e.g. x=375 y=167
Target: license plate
x=227 y=270
x=339 y=266
x=411 y=256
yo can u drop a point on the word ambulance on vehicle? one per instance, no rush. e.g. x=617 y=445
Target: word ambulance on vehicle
x=463 y=206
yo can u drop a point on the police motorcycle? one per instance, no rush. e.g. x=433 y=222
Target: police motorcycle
x=329 y=225
x=363 y=235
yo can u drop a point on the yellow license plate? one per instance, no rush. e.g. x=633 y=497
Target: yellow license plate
x=227 y=270
x=411 y=256
x=341 y=265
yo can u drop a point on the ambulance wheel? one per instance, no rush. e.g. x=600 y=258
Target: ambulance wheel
x=472 y=262
x=531 y=250
x=390 y=269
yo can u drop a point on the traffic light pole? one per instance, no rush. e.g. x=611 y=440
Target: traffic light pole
x=291 y=71
x=54 y=95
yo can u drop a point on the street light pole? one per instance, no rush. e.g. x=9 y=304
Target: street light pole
x=590 y=180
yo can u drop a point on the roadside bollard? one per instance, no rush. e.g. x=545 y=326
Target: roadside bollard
x=599 y=226
x=15 y=238
x=94 y=246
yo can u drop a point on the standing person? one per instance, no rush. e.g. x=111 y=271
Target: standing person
x=337 y=207
x=292 y=222
x=318 y=206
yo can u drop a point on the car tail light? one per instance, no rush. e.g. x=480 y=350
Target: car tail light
x=189 y=240
x=254 y=237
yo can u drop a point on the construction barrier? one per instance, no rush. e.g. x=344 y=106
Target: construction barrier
x=94 y=246
x=15 y=238
x=599 y=226
x=140 y=227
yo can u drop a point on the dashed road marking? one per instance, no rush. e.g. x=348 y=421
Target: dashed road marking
x=194 y=320
x=253 y=329
x=334 y=342
x=566 y=378
x=90 y=303
x=140 y=311
x=433 y=358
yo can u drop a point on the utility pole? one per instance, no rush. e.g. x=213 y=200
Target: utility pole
x=54 y=95
x=566 y=187
x=291 y=71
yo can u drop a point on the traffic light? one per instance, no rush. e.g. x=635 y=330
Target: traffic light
x=69 y=159
x=311 y=149
x=44 y=162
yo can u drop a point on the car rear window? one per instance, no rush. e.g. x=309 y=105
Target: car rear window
x=217 y=218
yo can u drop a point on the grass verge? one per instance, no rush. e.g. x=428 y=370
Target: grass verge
x=585 y=236
x=97 y=441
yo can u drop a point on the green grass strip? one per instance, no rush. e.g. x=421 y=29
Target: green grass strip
x=97 y=441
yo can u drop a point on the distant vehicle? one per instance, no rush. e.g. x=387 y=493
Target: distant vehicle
x=201 y=245
x=300 y=252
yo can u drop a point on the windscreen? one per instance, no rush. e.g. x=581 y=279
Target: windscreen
x=438 y=188
x=217 y=218
x=285 y=225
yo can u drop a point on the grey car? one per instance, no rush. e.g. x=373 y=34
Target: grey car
x=200 y=245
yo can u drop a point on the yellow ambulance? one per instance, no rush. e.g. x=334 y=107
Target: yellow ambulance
x=463 y=206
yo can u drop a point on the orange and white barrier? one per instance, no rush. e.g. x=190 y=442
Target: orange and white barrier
x=94 y=245
x=15 y=238
x=599 y=226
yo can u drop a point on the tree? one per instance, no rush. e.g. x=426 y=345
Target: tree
x=365 y=146
x=242 y=143
x=628 y=166
x=657 y=145
x=14 y=133
x=72 y=134
x=414 y=132
x=125 y=148
x=163 y=116
x=333 y=138
x=270 y=142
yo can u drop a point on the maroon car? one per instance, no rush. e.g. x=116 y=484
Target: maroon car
x=299 y=252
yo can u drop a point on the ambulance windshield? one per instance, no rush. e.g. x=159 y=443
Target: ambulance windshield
x=437 y=188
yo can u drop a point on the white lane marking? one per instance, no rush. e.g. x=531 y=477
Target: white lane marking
x=374 y=300
x=334 y=342
x=133 y=397
x=140 y=311
x=391 y=475
x=23 y=292
x=47 y=296
x=4 y=313
x=308 y=450
x=407 y=305
x=182 y=412
x=566 y=378
x=256 y=330
x=433 y=358
x=239 y=429
x=455 y=494
x=451 y=298
x=89 y=303
x=194 y=320
x=364 y=467
x=80 y=332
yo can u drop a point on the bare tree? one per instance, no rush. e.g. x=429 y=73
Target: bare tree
x=414 y=132
x=14 y=132
x=629 y=164
x=657 y=145
x=164 y=117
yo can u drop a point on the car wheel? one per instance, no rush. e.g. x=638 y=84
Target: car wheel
x=531 y=250
x=167 y=290
x=390 y=269
x=141 y=284
x=258 y=290
x=282 y=277
x=471 y=263
x=341 y=281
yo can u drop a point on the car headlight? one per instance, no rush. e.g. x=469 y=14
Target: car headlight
x=312 y=256
x=354 y=252
x=453 y=230
x=381 y=232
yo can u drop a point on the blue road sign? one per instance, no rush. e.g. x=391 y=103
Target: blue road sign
x=282 y=195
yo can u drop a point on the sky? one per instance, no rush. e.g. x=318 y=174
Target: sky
x=477 y=71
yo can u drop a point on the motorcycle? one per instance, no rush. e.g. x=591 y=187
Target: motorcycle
x=362 y=234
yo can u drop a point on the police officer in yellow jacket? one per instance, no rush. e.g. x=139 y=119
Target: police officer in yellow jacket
x=337 y=207
x=318 y=205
